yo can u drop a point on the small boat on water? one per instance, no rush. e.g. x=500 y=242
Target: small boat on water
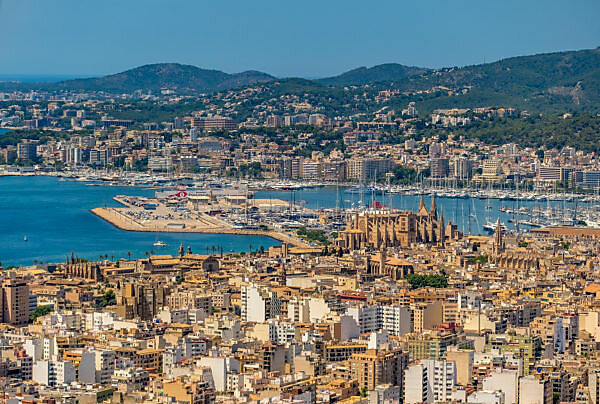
x=159 y=244
x=491 y=226
x=25 y=238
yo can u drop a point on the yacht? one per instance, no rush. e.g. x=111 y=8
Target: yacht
x=491 y=226
x=159 y=244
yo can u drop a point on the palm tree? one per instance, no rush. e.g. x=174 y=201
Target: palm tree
x=250 y=247
x=129 y=255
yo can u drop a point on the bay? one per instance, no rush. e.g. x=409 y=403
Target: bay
x=54 y=216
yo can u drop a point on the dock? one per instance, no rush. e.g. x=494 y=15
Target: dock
x=207 y=224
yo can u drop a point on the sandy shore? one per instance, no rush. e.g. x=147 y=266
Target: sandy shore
x=120 y=221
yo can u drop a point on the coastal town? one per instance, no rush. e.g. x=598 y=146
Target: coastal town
x=361 y=303
x=426 y=232
x=401 y=306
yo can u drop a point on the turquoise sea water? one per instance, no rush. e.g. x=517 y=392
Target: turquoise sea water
x=55 y=218
x=3 y=131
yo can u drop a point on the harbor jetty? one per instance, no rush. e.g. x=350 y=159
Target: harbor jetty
x=120 y=220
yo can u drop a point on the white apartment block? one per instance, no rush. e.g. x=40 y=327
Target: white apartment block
x=53 y=373
x=259 y=304
x=395 y=319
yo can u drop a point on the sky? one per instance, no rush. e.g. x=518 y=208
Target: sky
x=285 y=38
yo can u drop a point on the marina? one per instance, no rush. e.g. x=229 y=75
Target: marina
x=285 y=208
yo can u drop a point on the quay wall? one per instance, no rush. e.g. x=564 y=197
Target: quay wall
x=122 y=222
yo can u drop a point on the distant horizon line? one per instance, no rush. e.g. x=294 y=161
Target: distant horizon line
x=27 y=77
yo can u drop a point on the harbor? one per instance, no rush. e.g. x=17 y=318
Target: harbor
x=169 y=219
x=248 y=213
x=71 y=227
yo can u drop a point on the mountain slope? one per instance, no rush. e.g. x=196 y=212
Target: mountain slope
x=367 y=75
x=545 y=82
x=174 y=76
x=566 y=78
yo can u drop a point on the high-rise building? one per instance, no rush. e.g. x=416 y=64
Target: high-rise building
x=289 y=168
x=74 y=155
x=178 y=122
x=334 y=170
x=418 y=388
x=214 y=123
x=274 y=120
x=15 y=302
x=463 y=169
x=439 y=167
x=311 y=170
x=464 y=365
x=506 y=381
x=100 y=157
x=368 y=169
x=27 y=150
x=259 y=303
x=376 y=367
x=442 y=378
x=430 y=381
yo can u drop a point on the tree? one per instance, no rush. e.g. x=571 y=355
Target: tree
x=40 y=311
x=417 y=281
x=107 y=299
x=363 y=392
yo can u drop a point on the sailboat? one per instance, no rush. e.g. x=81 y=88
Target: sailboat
x=159 y=243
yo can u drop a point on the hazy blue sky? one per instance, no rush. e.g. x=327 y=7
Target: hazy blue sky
x=283 y=37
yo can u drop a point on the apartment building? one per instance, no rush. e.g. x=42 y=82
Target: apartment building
x=259 y=303
x=15 y=302
x=375 y=367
